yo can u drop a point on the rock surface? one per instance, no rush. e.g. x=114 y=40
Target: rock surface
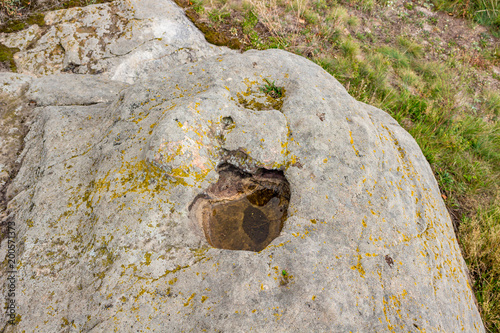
x=14 y=115
x=101 y=205
x=124 y=39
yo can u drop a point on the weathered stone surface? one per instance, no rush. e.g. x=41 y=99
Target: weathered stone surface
x=13 y=84
x=67 y=89
x=14 y=110
x=125 y=40
x=101 y=206
x=14 y=115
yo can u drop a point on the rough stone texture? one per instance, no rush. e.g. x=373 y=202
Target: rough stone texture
x=73 y=89
x=13 y=84
x=106 y=243
x=14 y=113
x=125 y=40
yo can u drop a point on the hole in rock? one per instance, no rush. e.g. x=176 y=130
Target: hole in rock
x=242 y=211
x=227 y=121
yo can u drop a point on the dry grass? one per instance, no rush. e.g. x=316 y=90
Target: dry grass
x=10 y=6
x=270 y=14
x=299 y=7
x=480 y=236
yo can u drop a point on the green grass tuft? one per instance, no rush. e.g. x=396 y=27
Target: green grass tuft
x=399 y=59
x=485 y=12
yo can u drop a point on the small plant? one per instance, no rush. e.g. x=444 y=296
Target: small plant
x=11 y=6
x=350 y=48
x=217 y=15
x=411 y=47
x=284 y=278
x=433 y=20
x=361 y=36
x=271 y=89
x=352 y=21
x=197 y=6
x=491 y=103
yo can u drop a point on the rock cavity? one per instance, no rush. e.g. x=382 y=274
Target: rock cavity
x=242 y=211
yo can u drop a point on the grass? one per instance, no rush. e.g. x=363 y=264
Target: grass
x=491 y=102
x=445 y=94
x=485 y=12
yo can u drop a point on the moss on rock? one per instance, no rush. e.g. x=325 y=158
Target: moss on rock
x=7 y=56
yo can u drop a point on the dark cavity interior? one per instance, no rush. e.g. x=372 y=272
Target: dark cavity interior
x=243 y=211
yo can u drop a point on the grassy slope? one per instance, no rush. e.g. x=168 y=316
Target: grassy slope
x=437 y=74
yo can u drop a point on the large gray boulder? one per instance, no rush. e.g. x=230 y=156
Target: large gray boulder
x=109 y=238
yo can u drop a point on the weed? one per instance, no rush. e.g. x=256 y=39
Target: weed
x=491 y=102
x=361 y=36
x=410 y=78
x=368 y=5
x=197 y=5
x=433 y=20
x=310 y=17
x=486 y=12
x=398 y=59
x=285 y=278
x=299 y=6
x=249 y=22
x=271 y=89
x=11 y=6
x=320 y=5
x=217 y=15
x=350 y=48
x=353 y=21
x=248 y=25
x=337 y=15
x=415 y=49
x=481 y=235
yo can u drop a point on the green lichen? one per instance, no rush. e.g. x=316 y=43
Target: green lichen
x=38 y=19
x=7 y=56
x=252 y=101
x=12 y=26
